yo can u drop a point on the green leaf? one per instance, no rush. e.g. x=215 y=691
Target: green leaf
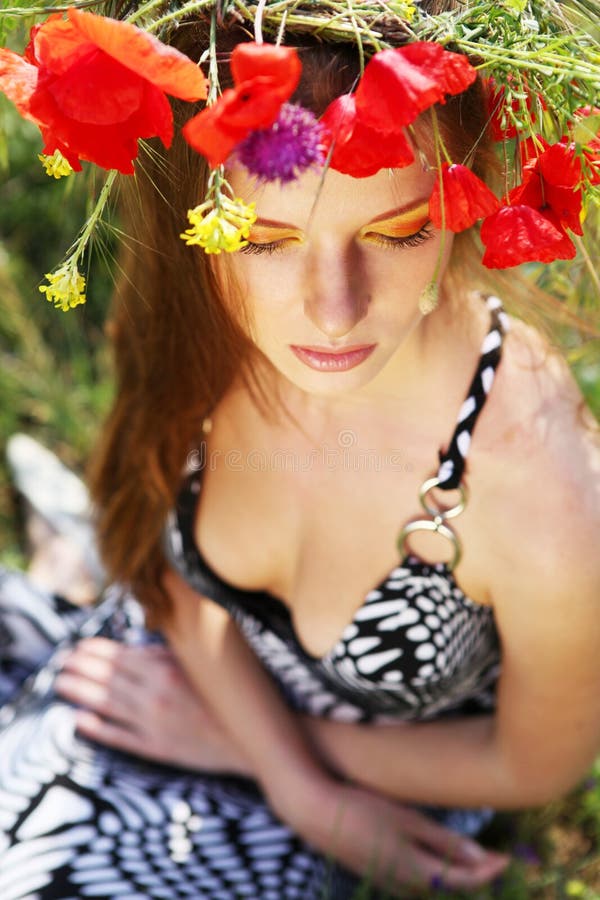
x=518 y=6
x=586 y=129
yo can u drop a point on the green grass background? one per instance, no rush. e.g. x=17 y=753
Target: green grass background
x=55 y=385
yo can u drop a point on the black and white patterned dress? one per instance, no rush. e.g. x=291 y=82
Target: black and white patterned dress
x=78 y=820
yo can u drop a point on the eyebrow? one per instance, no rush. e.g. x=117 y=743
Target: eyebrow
x=398 y=212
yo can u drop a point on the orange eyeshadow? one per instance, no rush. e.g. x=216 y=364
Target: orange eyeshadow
x=401 y=225
x=264 y=234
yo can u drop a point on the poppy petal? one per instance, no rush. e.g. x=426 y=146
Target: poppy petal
x=163 y=66
x=57 y=45
x=393 y=91
x=452 y=71
x=208 y=133
x=531 y=148
x=18 y=80
x=108 y=146
x=252 y=104
x=51 y=143
x=154 y=116
x=552 y=185
x=357 y=149
x=518 y=234
x=559 y=165
x=281 y=64
x=529 y=192
x=117 y=91
x=466 y=199
x=217 y=129
x=399 y=84
x=566 y=204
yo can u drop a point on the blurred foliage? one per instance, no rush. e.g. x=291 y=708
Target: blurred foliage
x=54 y=366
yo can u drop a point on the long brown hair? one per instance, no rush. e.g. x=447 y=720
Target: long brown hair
x=178 y=345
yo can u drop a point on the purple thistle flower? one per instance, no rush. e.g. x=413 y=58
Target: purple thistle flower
x=288 y=148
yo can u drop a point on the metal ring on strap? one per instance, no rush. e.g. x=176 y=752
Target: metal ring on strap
x=436 y=511
x=436 y=525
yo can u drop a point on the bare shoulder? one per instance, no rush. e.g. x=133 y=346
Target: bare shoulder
x=542 y=456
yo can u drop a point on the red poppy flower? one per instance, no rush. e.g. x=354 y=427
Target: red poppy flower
x=95 y=85
x=399 y=84
x=358 y=150
x=265 y=77
x=466 y=199
x=530 y=148
x=503 y=127
x=552 y=184
x=518 y=234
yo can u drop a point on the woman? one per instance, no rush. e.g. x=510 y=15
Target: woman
x=407 y=672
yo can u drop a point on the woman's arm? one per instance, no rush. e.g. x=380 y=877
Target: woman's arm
x=364 y=831
x=545 y=733
x=545 y=585
x=239 y=692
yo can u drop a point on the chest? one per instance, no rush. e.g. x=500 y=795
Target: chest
x=319 y=530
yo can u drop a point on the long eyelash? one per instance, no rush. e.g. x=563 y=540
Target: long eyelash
x=411 y=240
x=273 y=247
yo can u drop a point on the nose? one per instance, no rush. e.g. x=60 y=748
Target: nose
x=337 y=296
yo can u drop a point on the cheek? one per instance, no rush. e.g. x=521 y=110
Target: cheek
x=271 y=284
x=408 y=269
x=235 y=294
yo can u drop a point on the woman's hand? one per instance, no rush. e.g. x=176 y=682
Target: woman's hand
x=138 y=699
x=394 y=845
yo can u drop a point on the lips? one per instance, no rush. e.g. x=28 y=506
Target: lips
x=324 y=360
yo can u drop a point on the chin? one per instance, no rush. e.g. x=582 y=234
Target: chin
x=330 y=384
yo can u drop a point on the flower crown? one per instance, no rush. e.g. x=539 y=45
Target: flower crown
x=95 y=84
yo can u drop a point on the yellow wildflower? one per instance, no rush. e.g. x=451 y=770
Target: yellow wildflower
x=66 y=288
x=404 y=9
x=55 y=165
x=220 y=229
x=408 y=9
x=575 y=888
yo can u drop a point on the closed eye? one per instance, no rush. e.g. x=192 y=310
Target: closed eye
x=408 y=240
x=270 y=247
x=374 y=237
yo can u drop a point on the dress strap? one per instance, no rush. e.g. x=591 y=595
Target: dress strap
x=452 y=460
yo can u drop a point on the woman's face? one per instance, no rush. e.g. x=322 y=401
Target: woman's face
x=334 y=266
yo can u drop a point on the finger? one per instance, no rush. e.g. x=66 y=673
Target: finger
x=108 y=701
x=464 y=876
x=133 y=662
x=428 y=870
x=87 y=665
x=445 y=842
x=109 y=733
x=99 y=678
x=109 y=647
